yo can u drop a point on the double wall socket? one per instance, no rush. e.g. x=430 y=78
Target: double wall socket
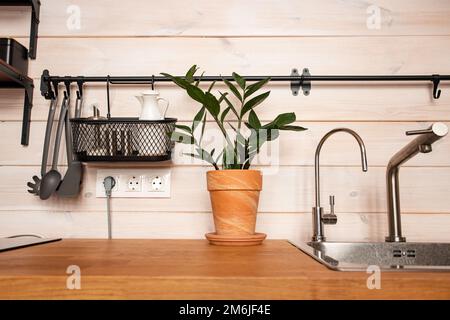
x=135 y=183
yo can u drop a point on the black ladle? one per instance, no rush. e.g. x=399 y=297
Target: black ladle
x=50 y=182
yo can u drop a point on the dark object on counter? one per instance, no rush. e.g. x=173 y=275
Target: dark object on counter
x=14 y=54
x=23 y=242
x=123 y=139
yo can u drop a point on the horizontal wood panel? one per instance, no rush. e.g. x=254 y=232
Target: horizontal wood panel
x=286 y=189
x=167 y=225
x=345 y=102
x=327 y=102
x=231 y=18
x=274 y=56
x=292 y=148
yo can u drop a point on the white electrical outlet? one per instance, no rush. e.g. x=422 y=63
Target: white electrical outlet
x=136 y=183
x=156 y=183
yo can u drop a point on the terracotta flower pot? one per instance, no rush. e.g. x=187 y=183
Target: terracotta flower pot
x=234 y=199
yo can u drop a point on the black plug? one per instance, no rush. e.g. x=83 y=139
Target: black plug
x=109 y=184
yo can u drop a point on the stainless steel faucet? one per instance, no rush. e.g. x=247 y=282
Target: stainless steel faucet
x=421 y=144
x=319 y=218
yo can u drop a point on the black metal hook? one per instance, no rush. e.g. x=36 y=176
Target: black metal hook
x=436 y=80
x=108 y=80
x=67 y=84
x=46 y=87
x=55 y=89
x=80 y=89
x=153 y=82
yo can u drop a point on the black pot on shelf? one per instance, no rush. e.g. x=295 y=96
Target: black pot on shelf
x=14 y=54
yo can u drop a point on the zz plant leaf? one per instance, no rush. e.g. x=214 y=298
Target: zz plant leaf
x=254 y=102
x=240 y=146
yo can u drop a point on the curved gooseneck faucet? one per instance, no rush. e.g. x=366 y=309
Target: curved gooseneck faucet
x=318 y=217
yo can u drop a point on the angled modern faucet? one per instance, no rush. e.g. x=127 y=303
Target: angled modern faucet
x=421 y=144
x=319 y=218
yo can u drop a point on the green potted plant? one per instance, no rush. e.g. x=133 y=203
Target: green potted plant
x=234 y=188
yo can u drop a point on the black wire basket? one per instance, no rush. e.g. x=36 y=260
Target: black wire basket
x=122 y=139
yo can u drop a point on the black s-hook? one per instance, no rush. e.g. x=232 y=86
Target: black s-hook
x=436 y=80
x=108 y=81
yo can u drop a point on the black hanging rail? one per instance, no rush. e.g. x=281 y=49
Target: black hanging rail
x=297 y=81
x=35 y=11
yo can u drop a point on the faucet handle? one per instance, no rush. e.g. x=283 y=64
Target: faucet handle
x=420 y=131
x=330 y=218
x=331 y=204
x=438 y=128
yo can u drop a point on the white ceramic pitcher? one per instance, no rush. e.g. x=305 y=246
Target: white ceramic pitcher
x=150 y=105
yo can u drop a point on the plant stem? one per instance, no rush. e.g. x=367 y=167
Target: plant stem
x=213 y=162
x=224 y=132
x=240 y=124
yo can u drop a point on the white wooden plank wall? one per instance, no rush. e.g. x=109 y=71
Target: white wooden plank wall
x=141 y=37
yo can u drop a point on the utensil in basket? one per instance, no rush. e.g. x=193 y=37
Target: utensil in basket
x=97 y=138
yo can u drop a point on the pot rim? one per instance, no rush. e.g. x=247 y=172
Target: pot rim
x=234 y=179
x=243 y=170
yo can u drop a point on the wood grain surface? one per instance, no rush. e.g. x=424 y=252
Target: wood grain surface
x=254 y=18
x=193 y=269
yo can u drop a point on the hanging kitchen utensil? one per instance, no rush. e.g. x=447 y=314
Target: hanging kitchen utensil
x=50 y=182
x=79 y=101
x=70 y=185
x=36 y=186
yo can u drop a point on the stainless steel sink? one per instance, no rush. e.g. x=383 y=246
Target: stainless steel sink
x=358 y=256
x=396 y=253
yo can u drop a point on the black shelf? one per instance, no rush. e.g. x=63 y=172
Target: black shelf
x=12 y=78
x=35 y=11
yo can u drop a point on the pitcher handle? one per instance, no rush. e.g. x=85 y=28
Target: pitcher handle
x=167 y=106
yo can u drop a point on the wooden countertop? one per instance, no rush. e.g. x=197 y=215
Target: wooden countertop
x=193 y=269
